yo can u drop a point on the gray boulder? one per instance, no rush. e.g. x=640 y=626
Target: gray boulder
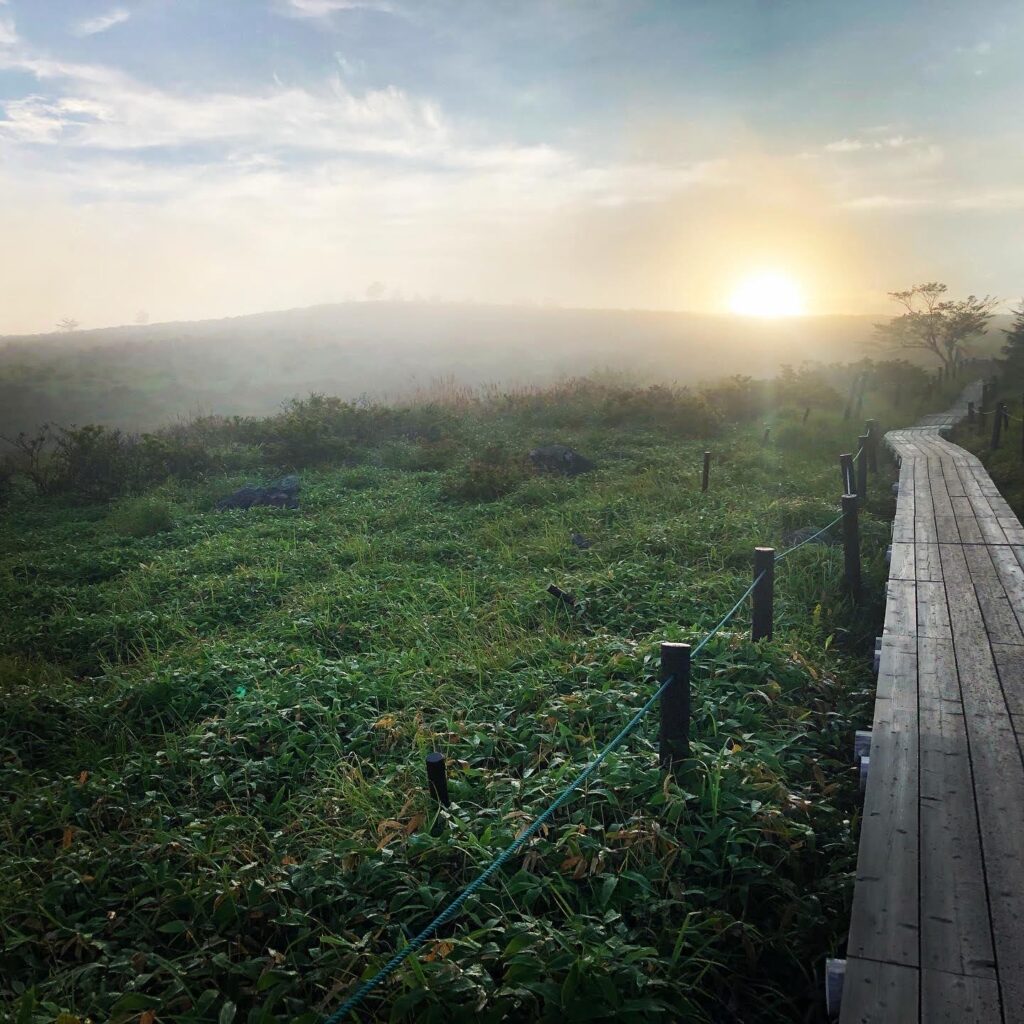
x=283 y=493
x=560 y=458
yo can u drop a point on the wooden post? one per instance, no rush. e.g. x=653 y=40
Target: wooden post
x=851 y=545
x=807 y=412
x=1022 y=427
x=762 y=619
x=846 y=472
x=1006 y=416
x=707 y=472
x=970 y=412
x=871 y=429
x=982 y=413
x=767 y=434
x=862 y=467
x=674 y=731
x=997 y=426
x=437 y=778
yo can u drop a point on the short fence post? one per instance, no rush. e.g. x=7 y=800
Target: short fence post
x=871 y=429
x=767 y=434
x=1022 y=427
x=851 y=545
x=674 y=731
x=862 y=467
x=437 y=778
x=970 y=412
x=707 y=472
x=764 y=594
x=846 y=471
x=807 y=412
x=1006 y=416
x=997 y=426
x=982 y=413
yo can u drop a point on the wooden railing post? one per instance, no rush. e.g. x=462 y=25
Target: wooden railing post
x=862 y=467
x=851 y=545
x=437 y=778
x=982 y=414
x=997 y=426
x=706 y=475
x=846 y=471
x=674 y=731
x=762 y=618
x=970 y=412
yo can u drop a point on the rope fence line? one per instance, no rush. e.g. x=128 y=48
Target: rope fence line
x=356 y=999
x=452 y=909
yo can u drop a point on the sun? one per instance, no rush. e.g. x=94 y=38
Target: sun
x=767 y=293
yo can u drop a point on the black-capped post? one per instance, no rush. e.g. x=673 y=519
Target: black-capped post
x=846 y=471
x=674 y=731
x=862 y=467
x=851 y=546
x=437 y=778
x=706 y=474
x=997 y=426
x=762 y=617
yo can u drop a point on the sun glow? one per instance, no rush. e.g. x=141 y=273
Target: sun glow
x=768 y=293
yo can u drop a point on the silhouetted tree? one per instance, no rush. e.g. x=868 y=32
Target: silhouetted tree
x=1013 y=349
x=67 y=324
x=933 y=324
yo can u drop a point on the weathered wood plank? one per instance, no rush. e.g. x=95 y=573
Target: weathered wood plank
x=932 y=613
x=999 y=795
x=955 y=931
x=884 y=922
x=954 y=999
x=1009 y=660
x=901 y=563
x=1001 y=623
x=901 y=608
x=897 y=665
x=877 y=993
x=927 y=563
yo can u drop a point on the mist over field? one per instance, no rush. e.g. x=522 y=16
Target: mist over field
x=144 y=377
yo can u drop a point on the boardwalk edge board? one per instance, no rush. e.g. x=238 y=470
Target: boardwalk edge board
x=937 y=921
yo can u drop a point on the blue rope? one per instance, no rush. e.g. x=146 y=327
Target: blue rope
x=449 y=912
x=510 y=851
x=531 y=830
x=813 y=536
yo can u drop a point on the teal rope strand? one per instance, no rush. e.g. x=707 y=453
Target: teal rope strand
x=417 y=942
x=813 y=536
x=510 y=851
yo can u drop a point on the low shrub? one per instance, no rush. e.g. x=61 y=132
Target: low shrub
x=494 y=474
x=142 y=518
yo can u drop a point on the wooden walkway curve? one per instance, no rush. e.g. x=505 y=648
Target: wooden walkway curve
x=937 y=928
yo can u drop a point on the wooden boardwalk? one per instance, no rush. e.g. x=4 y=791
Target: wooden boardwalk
x=937 y=929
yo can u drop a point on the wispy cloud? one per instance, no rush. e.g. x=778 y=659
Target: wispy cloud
x=325 y=8
x=101 y=22
x=8 y=33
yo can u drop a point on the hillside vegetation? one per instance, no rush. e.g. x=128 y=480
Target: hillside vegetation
x=215 y=722
x=140 y=378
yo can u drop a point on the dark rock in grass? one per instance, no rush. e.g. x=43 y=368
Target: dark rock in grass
x=283 y=493
x=580 y=541
x=560 y=458
x=805 y=535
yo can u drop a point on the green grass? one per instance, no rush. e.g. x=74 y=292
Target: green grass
x=213 y=741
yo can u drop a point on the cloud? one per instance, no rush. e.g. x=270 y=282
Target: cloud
x=325 y=8
x=101 y=22
x=8 y=34
x=872 y=145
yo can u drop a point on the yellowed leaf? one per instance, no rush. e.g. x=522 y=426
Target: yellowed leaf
x=68 y=838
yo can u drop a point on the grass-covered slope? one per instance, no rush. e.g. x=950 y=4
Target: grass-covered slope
x=212 y=745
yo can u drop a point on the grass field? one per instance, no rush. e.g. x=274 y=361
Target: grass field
x=215 y=724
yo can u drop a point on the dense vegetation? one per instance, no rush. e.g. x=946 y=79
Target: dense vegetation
x=215 y=723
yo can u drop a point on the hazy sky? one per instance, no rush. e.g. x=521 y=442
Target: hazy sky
x=198 y=158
